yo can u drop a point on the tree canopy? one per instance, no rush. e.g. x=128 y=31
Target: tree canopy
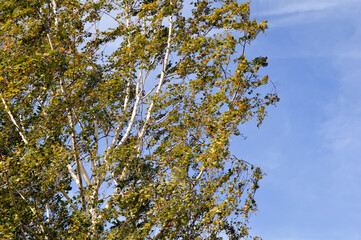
x=116 y=118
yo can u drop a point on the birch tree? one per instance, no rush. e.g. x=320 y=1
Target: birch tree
x=117 y=117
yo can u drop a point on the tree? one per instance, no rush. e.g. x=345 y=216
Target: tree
x=116 y=118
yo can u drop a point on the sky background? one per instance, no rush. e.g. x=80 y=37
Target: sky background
x=310 y=144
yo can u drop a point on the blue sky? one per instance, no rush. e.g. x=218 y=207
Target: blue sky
x=310 y=144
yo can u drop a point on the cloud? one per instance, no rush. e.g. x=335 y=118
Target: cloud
x=284 y=7
x=341 y=130
x=286 y=13
x=299 y=7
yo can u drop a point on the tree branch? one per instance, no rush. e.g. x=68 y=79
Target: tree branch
x=161 y=80
x=67 y=197
x=21 y=130
x=74 y=148
x=15 y=205
x=120 y=123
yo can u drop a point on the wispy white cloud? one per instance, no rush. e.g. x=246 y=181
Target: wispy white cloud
x=284 y=7
x=341 y=130
x=299 y=7
x=350 y=48
x=291 y=12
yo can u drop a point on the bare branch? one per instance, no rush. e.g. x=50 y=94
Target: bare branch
x=73 y=174
x=134 y=112
x=55 y=11
x=95 y=152
x=47 y=212
x=121 y=121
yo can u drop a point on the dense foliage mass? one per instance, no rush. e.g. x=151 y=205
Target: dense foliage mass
x=116 y=118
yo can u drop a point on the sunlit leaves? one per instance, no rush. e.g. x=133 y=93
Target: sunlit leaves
x=143 y=110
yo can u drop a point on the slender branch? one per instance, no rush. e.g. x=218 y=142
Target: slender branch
x=18 y=128
x=244 y=161
x=15 y=205
x=30 y=231
x=55 y=11
x=67 y=197
x=96 y=136
x=73 y=174
x=95 y=152
x=22 y=196
x=134 y=112
x=50 y=42
x=47 y=212
x=146 y=76
x=34 y=210
x=161 y=80
x=200 y=174
x=74 y=148
x=120 y=123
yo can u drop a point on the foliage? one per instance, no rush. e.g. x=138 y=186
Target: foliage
x=116 y=118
